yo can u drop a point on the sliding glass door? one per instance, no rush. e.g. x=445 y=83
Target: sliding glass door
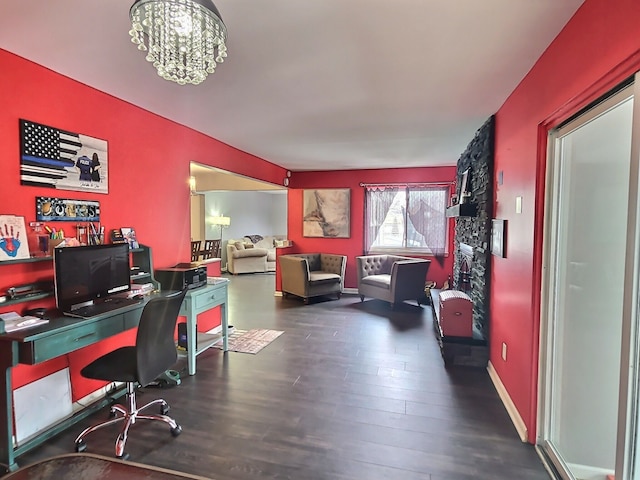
x=587 y=216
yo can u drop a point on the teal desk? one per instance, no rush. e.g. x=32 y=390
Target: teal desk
x=65 y=334
x=197 y=301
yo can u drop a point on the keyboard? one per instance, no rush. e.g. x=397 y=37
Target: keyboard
x=107 y=306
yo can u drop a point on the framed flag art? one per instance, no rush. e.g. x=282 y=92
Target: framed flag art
x=60 y=159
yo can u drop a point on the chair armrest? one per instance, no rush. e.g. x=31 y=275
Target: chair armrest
x=408 y=277
x=294 y=273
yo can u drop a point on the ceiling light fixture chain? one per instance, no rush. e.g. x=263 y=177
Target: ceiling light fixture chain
x=184 y=39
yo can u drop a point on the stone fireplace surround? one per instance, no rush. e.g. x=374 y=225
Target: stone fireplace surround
x=473 y=234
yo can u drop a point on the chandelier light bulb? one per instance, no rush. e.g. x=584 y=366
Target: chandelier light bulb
x=184 y=39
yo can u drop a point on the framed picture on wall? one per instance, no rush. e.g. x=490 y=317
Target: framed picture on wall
x=326 y=213
x=498 y=237
x=13 y=238
x=54 y=158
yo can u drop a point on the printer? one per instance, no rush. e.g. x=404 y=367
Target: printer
x=181 y=276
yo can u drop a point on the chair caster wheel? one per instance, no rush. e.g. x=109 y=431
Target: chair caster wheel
x=124 y=457
x=176 y=431
x=164 y=408
x=81 y=446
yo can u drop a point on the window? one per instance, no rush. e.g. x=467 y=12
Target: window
x=406 y=219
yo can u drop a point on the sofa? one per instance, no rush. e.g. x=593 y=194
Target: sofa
x=391 y=278
x=308 y=275
x=267 y=243
x=243 y=257
x=241 y=261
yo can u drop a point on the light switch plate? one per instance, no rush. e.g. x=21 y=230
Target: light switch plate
x=518 y=204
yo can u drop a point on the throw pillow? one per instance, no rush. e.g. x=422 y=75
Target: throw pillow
x=248 y=245
x=239 y=245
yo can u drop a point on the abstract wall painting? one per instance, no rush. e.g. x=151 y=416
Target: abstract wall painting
x=326 y=213
x=54 y=158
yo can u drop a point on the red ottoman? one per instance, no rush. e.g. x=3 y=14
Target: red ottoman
x=456 y=314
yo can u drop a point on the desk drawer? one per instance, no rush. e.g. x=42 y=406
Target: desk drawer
x=64 y=342
x=208 y=299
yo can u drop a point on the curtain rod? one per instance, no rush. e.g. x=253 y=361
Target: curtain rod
x=404 y=184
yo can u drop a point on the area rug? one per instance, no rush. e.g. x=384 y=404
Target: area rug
x=250 y=341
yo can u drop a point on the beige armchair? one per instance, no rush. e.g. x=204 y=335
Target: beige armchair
x=309 y=275
x=391 y=278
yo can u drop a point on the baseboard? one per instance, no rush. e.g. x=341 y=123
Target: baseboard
x=518 y=423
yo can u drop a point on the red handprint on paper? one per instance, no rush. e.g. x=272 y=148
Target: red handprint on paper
x=9 y=243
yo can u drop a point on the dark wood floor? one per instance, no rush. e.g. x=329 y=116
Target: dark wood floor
x=350 y=391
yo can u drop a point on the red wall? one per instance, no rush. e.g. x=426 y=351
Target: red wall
x=148 y=177
x=354 y=245
x=593 y=53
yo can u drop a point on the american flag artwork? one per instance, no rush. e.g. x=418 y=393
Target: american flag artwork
x=54 y=158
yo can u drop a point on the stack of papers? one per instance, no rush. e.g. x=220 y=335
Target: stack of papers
x=215 y=280
x=13 y=321
x=142 y=288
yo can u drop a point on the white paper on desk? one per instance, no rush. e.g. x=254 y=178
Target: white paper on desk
x=14 y=322
x=214 y=280
x=9 y=316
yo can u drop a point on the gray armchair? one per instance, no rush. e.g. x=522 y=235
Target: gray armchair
x=391 y=278
x=309 y=275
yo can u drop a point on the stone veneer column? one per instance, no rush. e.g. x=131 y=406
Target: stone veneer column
x=476 y=231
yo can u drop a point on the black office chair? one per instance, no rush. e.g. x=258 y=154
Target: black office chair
x=153 y=354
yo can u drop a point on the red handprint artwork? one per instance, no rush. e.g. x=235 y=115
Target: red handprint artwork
x=10 y=241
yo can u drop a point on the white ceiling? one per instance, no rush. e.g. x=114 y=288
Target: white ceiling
x=314 y=84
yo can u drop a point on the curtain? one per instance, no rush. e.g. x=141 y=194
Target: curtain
x=377 y=202
x=426 y=208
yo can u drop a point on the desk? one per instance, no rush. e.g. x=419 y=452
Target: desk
x=197 y=301
x=64 y=335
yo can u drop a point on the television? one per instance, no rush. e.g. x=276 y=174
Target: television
x=84 y=275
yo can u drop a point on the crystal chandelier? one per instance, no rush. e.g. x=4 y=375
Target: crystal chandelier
x=184 y=39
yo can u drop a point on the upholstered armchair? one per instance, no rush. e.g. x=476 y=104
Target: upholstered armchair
x=391 y=278
x=309 y=275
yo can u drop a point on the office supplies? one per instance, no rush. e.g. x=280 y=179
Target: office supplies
x=13 y=321
x=39 y=312
x=29 y=290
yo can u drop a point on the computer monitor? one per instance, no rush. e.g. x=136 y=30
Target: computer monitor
x=83 y=275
